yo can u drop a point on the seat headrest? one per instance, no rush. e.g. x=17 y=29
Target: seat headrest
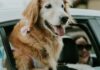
x=69 y=53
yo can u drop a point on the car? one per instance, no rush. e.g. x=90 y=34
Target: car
x=87 y=23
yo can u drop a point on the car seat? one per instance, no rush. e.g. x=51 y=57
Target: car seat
x=69 y=53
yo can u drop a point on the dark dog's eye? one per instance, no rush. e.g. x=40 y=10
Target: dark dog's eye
x=48 y=6
x=62 y=6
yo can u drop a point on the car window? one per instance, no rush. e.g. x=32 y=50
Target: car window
x=76 y=31
x=5 y=49
x=96 y=28
x=2 y=56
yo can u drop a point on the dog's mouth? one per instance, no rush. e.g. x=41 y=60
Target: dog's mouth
x=56 y=29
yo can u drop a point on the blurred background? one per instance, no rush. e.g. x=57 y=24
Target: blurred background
x=85 y=4
x=6 y=4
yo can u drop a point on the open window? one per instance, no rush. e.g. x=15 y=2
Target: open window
x=8 y=61
x=82 y=29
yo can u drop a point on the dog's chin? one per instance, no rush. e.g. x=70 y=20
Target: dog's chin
x=57 y=30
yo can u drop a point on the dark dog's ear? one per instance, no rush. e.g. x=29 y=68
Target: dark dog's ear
x=67 y=4
x=31 y=13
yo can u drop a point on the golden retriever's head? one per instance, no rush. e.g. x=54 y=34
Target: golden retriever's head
x=52 y=14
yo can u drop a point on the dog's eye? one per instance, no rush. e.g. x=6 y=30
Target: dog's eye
x=48 y=6
x=62 y=6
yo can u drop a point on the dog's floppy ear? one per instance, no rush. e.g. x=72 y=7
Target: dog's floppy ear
x=67 y=4
x=31 y=13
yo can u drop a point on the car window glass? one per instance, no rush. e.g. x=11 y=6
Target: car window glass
x=2 y=56
x=96 y=28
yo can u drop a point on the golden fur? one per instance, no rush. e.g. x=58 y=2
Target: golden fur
x=35 y=48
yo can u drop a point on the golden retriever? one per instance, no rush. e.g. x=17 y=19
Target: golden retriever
x=36 y=37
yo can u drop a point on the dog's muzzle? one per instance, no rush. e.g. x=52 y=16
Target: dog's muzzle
x=63 y=20
x=56 y=29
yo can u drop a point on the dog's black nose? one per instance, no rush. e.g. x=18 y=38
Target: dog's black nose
x=64 y=20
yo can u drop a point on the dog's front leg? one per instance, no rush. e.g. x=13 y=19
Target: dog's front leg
x=23 y=63
x=26 y=64
x=53 y=64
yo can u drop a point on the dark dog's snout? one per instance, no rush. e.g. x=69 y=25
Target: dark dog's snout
x=64 y=20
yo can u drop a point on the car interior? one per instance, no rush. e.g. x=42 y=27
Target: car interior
x=69 y=53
